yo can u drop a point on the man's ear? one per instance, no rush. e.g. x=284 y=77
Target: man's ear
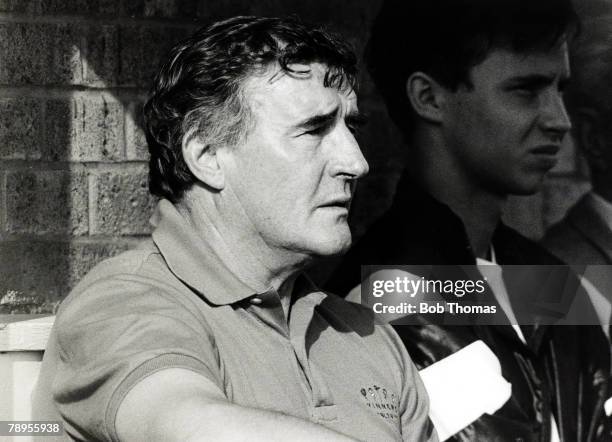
x=201 y=159
x=589 y=137
x=425 y=95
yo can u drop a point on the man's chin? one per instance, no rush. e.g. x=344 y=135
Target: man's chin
x=335 y=245
x=524 y=187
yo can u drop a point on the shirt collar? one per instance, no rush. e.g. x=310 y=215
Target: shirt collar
x=200 y=260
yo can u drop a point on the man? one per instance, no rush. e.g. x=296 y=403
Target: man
x=585 y=235
x=476 y=87
x=210 y=331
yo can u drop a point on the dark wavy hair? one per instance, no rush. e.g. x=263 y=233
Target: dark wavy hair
x=447 y=38
x=198 y=91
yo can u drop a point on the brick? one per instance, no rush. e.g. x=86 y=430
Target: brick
x=227 y=8
x=20 y=135
x=40 y=54
x=85 y=128
x=47 y=202
x=335 y=14
x=101 y=60
x=25 y=53
x=123 y=204
x=66 y=55
x=136 y=143
x=142 y=49
x=81 y=7
x=162 y=8
x=42 y=273
x=21 y=6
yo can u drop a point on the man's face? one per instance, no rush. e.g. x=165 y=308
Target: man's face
x=295 y=172
x=505 y=131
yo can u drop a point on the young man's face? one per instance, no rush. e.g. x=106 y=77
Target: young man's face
x=505 y=131
x=295 y=173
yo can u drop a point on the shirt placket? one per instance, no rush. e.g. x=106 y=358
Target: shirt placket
x=322 y=401
x=268 y=309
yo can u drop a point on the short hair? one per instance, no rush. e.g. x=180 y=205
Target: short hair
x=447 y=38
x=198 y=91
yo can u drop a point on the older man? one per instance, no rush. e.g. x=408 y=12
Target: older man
x=210 y=331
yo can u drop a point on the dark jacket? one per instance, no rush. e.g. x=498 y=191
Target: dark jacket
x=562 y=369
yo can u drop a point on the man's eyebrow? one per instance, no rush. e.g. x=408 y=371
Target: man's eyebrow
x=535 y=80
x=318 y=120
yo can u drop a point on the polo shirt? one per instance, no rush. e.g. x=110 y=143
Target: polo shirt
x=182 y=300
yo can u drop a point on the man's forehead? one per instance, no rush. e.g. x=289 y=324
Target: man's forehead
x=547 y=62
x=297 y=93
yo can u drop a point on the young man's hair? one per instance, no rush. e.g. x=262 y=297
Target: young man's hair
x=198 y=91
x=447 y=38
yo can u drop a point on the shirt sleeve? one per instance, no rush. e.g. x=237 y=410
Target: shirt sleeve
x=414 y=402
x=111 y=336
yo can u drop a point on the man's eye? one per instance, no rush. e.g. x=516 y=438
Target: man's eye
x=526 y=92
x=317 y=131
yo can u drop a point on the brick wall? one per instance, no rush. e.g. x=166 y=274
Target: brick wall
x=73 y=75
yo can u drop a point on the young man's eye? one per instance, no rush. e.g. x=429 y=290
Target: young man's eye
x=526 y=92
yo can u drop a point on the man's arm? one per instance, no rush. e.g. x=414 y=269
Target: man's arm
x=176 y=404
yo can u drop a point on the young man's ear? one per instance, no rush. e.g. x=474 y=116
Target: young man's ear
x=201 y=159
x=426 y=96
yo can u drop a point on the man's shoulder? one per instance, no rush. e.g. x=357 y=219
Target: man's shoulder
x=346 y=314
x=142 y=264
x=123 y=284
x=351 y=317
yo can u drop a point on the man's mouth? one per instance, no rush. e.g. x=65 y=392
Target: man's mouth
x=546 y=156
x=549 y=149
x=342 y=202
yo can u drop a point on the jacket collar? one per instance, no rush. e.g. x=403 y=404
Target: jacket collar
x=585 y=217
x=200 y=260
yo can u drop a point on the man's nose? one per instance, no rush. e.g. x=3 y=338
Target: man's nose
x=555 y=118
x=348 y=158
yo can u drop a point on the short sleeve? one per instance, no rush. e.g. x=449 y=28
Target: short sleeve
x=414 y=402
x=111 y=336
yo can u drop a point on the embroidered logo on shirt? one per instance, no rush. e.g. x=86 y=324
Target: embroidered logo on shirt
x=382 y=401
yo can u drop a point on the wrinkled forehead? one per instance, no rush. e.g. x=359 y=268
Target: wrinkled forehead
x=303 y=90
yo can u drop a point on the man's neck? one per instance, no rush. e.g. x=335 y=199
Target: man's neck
x=245 y=254
x=479 y=210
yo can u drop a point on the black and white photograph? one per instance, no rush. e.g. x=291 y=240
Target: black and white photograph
x=324 y=220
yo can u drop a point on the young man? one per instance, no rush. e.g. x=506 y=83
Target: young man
x=476 y=86
x=210 y=331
